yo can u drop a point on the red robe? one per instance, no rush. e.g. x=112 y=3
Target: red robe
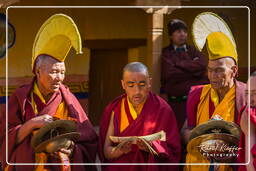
x=241 y=156
x=156 y=115
x=20 y=111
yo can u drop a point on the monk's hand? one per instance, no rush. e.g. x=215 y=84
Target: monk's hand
x=69 y=149
x=142 y=146
x=40 y=121
x=123 y=148
x=31 y=125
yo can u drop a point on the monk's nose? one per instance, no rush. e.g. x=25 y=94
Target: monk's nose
x=59 y=76
x=136 y=89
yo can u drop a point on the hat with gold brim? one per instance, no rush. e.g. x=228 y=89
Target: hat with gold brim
x=54 y=135
x=209 y=28
x=216 y=126
x=56 y=37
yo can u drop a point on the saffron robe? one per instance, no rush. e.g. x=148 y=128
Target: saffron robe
x=195 y=99
x=156 y=115
x=241 y=156
x=20 y=110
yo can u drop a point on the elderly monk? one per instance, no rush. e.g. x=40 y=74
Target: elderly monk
x=246 y=150
x=183 y=66
x=138 y=112
x=224 y=96
x=34 y=105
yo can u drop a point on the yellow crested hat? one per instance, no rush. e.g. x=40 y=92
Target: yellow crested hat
x=219 y=46
x=210 y=29
x=55 y=38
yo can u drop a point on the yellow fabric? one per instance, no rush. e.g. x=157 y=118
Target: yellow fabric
x=124 y=120
x=225 y=108
x=38 y=93
x=55 y=38
x=6 y=168
x=219 y=46
x=61 y=113
x=40 y=158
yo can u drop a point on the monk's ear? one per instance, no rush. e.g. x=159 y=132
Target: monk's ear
x=149 y=82
x=123 y=84
x=37 y=72
x=235 y=70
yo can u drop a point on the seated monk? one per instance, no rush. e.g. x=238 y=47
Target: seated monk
x=138 y=112
x=34 y=105
x=250 y=150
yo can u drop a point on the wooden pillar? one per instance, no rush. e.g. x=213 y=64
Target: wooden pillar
x=154 y=44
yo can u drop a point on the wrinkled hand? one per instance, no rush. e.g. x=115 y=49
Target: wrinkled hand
x=40 y=121
x=124 y=148
x=31 y=125
x=142 y=146
x=68 y=151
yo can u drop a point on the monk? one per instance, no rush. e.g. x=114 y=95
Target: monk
x=138 y=112
x=183 y=66
x=34 y=105
x=224 y=96
x=246 y=150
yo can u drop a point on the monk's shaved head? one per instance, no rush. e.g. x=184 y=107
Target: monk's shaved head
x=44 y=60
x=252 y=83
x=229 y=61
x=222 y=73
x=136 y=82
x=136 y=67
x=49 y=74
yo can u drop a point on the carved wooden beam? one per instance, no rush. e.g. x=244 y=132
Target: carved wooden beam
x=6 y=3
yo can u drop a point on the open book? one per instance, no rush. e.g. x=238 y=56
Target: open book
x=146 y=139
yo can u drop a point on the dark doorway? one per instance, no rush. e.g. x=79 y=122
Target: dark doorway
x=105 y=74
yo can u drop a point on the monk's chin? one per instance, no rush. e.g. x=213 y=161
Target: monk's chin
x=55 y=89
x=216 y=86
x=138 y=102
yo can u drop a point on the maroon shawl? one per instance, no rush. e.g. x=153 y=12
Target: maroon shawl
x=20 y=111
x=180 y=70
x=155 y=116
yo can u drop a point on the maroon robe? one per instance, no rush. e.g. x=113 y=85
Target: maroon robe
x=20 y=111
x=179 y=72
x=194 y=99
x=241 y=156
x=156 y=115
